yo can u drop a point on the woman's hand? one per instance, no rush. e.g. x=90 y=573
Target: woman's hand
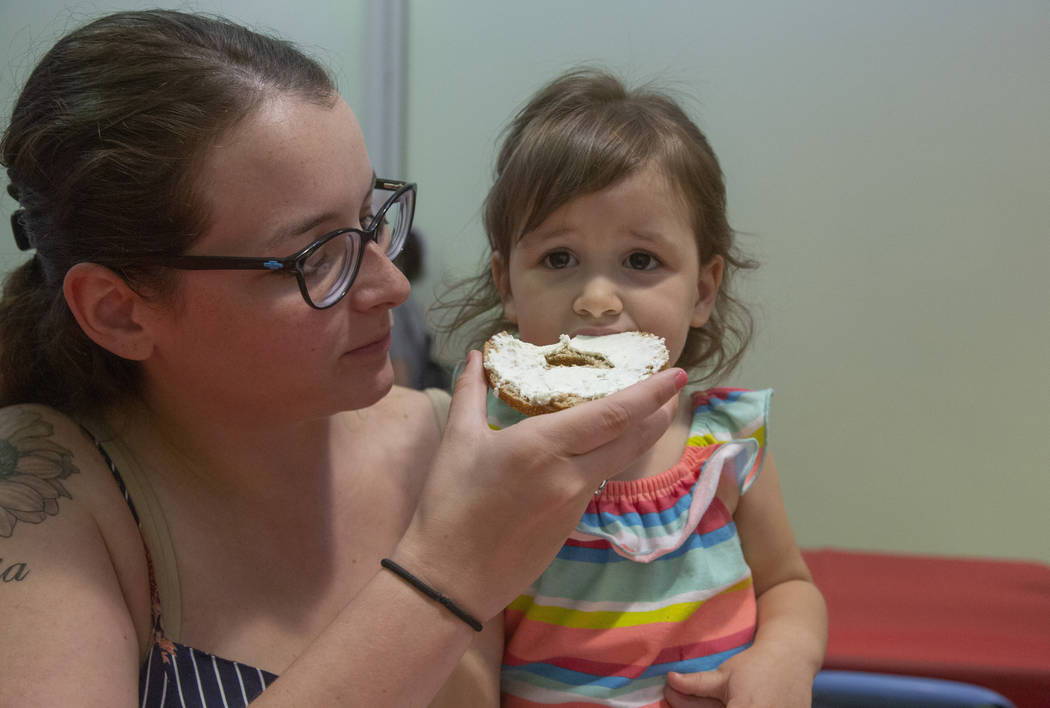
x=498 y=505
x=753 y=678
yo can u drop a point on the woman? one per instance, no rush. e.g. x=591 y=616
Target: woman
x=202 y=459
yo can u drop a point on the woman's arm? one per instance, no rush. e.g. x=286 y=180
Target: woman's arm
x=475 y=681
x=496 y=508
x=74 y=601
x=788 y=650
x=494 y=511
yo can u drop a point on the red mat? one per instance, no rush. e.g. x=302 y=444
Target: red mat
x=980 y=621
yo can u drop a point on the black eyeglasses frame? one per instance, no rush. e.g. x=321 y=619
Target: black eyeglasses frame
x=295 y=261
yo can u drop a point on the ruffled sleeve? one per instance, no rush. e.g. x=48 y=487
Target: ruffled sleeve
x=727 y=415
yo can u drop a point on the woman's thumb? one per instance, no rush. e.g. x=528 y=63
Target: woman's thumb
x=468 y=395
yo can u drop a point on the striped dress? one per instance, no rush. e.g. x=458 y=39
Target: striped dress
x=653 y=579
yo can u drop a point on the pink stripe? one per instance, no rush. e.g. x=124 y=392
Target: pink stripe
x=634 y=671
x=653 y=494
x=726 y=615
x=703 y=398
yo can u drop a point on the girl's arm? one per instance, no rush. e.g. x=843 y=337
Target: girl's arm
x=778 y=669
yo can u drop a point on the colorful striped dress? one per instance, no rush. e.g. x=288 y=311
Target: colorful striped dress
x=653 y=579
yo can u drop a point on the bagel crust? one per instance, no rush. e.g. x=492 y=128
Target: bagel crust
x=542 y=379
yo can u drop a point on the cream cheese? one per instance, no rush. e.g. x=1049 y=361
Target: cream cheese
x=633 y=356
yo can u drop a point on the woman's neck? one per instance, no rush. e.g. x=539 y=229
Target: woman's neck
x=231 y=456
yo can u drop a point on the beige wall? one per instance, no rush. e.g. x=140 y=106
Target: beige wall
x=889 y=163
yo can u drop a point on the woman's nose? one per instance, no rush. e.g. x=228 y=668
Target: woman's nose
x=597 y=298
x=379 y=282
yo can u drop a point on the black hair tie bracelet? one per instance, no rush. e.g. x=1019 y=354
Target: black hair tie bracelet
x=432 y=594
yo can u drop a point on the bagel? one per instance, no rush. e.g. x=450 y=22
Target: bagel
x=542 y=379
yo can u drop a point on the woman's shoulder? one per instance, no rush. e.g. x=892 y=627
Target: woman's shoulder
x=421 y=413
x=25 y=415
x=71 y=549
x=51 y=467
x=40 y=442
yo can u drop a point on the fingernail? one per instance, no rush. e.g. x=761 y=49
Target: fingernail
x=681 y=378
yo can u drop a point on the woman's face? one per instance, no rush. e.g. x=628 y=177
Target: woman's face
x=247 y=340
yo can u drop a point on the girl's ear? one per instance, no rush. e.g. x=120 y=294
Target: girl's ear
x=707 y=290
x=109 y=312
x=501 y=277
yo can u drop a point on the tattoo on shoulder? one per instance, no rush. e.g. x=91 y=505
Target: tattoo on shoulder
x=32 y=467
x=13 y=572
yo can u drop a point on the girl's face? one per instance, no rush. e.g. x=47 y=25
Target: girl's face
x=289 y=174
x=624 y=258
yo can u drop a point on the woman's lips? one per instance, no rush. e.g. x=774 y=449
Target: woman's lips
x=378 y=346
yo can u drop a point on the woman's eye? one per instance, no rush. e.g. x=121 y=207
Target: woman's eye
x=317 y=265
x=558 y=260
x=367 y=219
x=641 y=261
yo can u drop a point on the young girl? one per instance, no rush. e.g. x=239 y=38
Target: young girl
x=682 y=581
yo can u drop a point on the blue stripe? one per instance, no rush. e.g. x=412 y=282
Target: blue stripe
x=608 y=555
x=632 y=518
x=568 y=677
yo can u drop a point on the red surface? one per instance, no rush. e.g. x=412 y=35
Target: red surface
x=981 y=621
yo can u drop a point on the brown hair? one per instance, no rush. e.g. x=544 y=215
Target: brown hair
x=580 y=134
x=102 y=153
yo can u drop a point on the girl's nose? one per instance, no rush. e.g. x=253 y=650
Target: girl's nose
x=379 y=282
x=598 y=298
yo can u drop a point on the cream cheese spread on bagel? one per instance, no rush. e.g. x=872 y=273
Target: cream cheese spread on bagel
x=542 y=379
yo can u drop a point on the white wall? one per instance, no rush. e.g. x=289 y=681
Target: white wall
x=889 y=163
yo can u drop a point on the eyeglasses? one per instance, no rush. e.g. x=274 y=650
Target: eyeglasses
x=327 y=267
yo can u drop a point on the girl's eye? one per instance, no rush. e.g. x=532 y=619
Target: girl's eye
x=558 y=260
x=639 y=260
x=366 y=219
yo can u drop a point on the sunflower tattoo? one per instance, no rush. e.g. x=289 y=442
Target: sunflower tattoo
x=32 y=468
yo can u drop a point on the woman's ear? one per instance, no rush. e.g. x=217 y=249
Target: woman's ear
x=707 y=290
x=501 y=277
x=108 y=311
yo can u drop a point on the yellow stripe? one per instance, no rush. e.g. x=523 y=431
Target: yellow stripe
x=606 y=619
x=702 y=440
x=760 y=436
x=708 y=439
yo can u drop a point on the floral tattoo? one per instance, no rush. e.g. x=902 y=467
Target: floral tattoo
x=32 y=468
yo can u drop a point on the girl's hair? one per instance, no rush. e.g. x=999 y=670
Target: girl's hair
x=580 y=134
x=103 y=153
